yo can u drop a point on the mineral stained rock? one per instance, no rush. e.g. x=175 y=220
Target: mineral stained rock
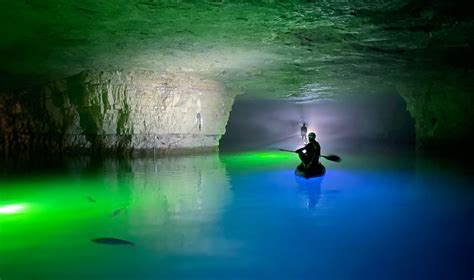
x=115 y=111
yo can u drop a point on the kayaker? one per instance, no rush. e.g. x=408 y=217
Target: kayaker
x=310 y=153
x=304 y=131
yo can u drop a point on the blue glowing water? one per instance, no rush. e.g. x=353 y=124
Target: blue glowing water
x=215 y=217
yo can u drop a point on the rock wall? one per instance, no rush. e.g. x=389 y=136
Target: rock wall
x=115 y=111
x=443 y=114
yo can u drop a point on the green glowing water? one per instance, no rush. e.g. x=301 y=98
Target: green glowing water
x=165 y=207
x=212 y=216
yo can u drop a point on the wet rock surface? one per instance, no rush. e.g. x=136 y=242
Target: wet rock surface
x=116 y=111
x=442 y=110
x=297 y=50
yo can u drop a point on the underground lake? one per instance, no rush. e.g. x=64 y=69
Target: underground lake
x=238 y=216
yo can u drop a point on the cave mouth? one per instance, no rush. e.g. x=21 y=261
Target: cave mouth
x=361 y=121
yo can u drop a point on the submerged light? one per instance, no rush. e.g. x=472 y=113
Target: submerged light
x=11 y=209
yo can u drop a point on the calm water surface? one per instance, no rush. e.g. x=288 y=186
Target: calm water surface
x=238 y=216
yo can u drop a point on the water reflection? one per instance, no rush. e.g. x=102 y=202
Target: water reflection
x=311 y=188
x=168 y=197
x=357 y=222
x=167 y=207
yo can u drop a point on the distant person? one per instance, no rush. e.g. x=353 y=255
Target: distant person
x=199 y=121
x=304 y=131
x=310 y=153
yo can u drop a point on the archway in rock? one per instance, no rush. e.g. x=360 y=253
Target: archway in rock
x=352 y=122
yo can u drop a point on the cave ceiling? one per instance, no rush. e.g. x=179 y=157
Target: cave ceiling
x=290 y=49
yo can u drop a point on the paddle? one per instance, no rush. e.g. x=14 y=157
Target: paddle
x=328 y=157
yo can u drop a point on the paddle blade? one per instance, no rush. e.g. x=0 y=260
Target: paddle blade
x=333 y=158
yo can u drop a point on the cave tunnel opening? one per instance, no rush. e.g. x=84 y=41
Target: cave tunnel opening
x=361 y=121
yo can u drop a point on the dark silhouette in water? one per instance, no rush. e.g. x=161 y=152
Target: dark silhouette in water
x=112 y=241
x=90 y=199
x=117 y=211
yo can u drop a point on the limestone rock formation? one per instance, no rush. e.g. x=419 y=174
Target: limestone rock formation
x=298 y=50
x=116 y=111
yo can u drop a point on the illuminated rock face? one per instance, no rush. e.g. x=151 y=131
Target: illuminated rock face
x=298 y=50
x=116 y=111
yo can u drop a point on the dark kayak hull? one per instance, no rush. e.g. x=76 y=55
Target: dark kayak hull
x=317 y=171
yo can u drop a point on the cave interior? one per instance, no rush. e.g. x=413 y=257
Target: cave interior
x=155 y=139
x=163 y=75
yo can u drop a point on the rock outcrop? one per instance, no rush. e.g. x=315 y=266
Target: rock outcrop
x=299 y=50
x=115 y=111
x=442 y=110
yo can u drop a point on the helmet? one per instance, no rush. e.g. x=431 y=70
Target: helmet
x=312 y=135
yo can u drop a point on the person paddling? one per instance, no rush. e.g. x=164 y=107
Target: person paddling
x=310 y=153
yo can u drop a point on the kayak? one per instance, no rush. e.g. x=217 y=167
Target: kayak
x=316 y=171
